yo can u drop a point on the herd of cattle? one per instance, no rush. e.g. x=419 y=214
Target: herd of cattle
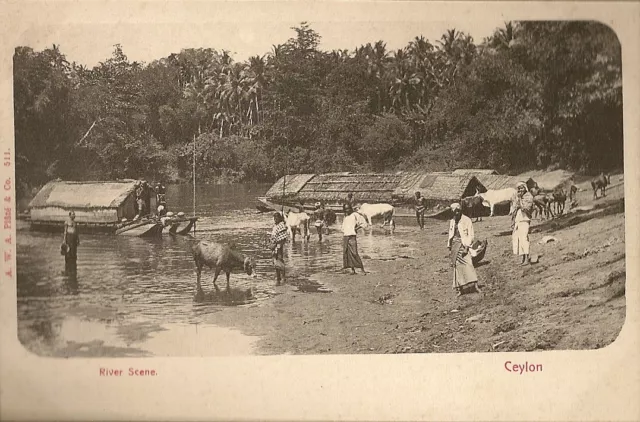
x=224 y=258
x=548 y=204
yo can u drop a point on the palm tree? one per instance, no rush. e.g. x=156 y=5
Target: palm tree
x=257 y=67
x=234 y=91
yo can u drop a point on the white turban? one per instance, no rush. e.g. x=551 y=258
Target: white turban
x=455 y=206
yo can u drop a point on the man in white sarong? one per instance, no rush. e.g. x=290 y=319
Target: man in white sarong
x=460 y=241
x=351 y=223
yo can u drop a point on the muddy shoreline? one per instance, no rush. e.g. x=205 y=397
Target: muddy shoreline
x=572 y=299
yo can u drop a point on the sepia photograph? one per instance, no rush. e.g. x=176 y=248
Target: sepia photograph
x=323 y=187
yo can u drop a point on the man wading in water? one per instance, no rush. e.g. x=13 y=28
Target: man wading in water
x=421 y=205
x=70 y=242
x=350 y=225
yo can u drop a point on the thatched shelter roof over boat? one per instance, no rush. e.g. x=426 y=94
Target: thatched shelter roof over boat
x=292 y=184
x=437 y=187
x=475 y=171
x=83 y=195
x=365 y=187
x=497 y=181
x=93 y=202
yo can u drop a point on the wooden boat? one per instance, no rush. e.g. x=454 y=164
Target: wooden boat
x=179 y=225
x=148 y=227
x=100 y=207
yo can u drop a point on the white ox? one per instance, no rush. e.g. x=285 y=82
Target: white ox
x=375 y=210
x=297 y=221
x=491 y=198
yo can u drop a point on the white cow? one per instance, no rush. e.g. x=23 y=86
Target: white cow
x=491 y=198
x=297 y=221
x=375 y=210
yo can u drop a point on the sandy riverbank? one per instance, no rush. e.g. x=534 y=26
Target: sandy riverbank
x=572 y=299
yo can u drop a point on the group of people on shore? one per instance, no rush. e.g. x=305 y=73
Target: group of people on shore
x=460 y=241
x=461 y=238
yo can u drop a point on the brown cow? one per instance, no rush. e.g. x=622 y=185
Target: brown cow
x=601 y=182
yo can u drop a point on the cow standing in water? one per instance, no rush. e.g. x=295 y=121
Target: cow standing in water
x=386 y=211
x=297 y=222
x=219 y=257
x=601 y=182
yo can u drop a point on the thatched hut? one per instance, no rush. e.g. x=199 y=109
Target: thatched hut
x=332 y=189
x=288 y=186
x=440 y=190
x=496 y=182
x=94 y=203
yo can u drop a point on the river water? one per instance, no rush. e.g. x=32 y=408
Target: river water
x=135 y=296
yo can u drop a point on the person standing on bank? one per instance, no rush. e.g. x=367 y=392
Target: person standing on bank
x=350 y=225
x=421 y=206
x=70 y=242
x=278 y=239
x=460 y=240
x=521 y=210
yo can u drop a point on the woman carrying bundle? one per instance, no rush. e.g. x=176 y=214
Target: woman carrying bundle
x=277 y=240
x=521 y=210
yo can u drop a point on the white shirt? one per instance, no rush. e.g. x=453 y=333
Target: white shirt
x=465 y=227
x=351 y=223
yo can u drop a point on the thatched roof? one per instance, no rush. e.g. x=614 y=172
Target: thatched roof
x=78 y=195
x=475 y=171
x=497 y=181
x=365 y=187
x=292 y=184
x=437 y=186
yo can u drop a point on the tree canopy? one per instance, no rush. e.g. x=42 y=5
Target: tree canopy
x=533 y=95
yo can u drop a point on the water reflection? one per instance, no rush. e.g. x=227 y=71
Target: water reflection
x=127 y=288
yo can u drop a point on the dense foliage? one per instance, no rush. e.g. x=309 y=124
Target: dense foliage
x=533 y=95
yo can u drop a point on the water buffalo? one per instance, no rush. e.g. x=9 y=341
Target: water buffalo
x=220 y=257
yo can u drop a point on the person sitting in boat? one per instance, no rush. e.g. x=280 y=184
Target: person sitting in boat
x=162 y=210
x=167 y=218
x=146 y=196
x=137 y=192
x=161 y=192
x=142 y=211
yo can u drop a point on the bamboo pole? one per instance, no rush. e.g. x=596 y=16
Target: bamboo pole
x=194 y=181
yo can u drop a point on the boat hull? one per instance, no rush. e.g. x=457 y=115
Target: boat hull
x=180 y=226
x=150 y=228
